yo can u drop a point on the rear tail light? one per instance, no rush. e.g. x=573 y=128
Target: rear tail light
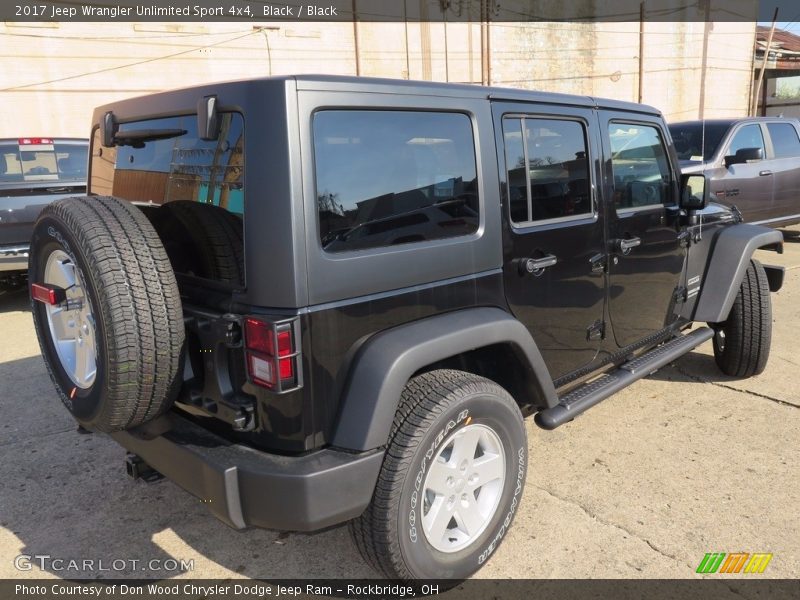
x=272 y=354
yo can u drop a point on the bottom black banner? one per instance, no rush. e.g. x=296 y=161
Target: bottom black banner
x=248 y=589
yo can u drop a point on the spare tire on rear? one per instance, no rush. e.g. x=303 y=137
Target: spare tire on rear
x=114 y=346
x=215 y=240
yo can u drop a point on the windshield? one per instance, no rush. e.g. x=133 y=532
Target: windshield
x=688 y=139
x=42 y=160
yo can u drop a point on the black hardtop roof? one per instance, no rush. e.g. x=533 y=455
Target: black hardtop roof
x=389 y=86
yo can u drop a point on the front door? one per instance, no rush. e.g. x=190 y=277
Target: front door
x=553 y=230
x=646 y=258
x=749 y=186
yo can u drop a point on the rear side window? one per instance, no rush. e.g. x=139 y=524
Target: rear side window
x=785 y=142
x=191 y=190
x=43 y=160
x=548 y=169
x=385 y=178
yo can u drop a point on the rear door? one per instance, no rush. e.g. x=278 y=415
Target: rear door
x=553 y=236
x=647 y=259
x=785 y=168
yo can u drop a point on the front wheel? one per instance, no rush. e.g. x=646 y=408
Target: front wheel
x=451 y=481
x=742 y=342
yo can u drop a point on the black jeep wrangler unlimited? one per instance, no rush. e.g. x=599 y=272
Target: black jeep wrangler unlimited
x=311 y=300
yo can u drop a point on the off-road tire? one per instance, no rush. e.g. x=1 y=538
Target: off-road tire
x=217 y=237
x=742 y=342
x=389 y=533
x=138 y=318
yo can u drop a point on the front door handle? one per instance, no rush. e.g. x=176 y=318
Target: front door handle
x=625 y=246
x=764 y=173
x=536 y=266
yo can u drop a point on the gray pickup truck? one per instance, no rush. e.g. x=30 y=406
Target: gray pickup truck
x=751 y=163
x=33 y=173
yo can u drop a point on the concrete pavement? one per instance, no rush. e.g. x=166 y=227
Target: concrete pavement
x=685 y=462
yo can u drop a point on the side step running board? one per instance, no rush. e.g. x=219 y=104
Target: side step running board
x=597 y=390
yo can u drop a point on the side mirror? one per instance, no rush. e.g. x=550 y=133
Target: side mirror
x=694 y=191
x=744 y=155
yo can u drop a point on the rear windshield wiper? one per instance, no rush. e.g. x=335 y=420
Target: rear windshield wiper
x=138 y=137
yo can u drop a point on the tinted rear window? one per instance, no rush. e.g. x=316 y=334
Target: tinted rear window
x=24 y=162
x=192 y=190
x=179 y=167
x=784 y=139
x=393 y=177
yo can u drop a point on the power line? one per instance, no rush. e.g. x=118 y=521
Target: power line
x=133 y=64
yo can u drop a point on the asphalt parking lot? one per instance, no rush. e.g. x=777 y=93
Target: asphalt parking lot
x=685 y=462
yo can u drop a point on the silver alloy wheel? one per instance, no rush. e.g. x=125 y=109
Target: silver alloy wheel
x=463 y=487
x=72 y=324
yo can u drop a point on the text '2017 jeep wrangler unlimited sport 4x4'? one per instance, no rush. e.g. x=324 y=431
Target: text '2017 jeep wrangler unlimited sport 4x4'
x=311 y=300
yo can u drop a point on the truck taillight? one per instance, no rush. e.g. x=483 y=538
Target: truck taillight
x=272 y=354
x=34 y=141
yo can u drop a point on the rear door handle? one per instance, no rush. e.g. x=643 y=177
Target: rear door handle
x=625 y=246
x=536 y=266
x=764 y=173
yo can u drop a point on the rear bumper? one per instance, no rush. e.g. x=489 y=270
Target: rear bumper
x=14 y=258
x=247 y=487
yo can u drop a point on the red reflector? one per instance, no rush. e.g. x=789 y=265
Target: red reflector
x=259 y=336
x=47 y=294
x=284 y=343
x=286 y=368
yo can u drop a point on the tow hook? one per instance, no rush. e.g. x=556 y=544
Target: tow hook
x=138 y=469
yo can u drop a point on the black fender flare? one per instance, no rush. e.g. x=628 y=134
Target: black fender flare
x=385 y=363
x=730 y=255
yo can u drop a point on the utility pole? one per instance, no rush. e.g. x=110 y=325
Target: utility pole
x=641 y=51
x=405 y=26
x=764 y=64
x=355 y=39
x=704 y=61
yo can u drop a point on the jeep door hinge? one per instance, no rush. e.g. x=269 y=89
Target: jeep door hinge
x=596 y=331
x=598 y=263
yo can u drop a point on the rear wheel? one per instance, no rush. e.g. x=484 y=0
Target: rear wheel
x=451 y=481
x=742 y=342
x=113 y=345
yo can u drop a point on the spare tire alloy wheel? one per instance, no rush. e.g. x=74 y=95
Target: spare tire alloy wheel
x=71 y=322
x=107 y=312
x=451 y=480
